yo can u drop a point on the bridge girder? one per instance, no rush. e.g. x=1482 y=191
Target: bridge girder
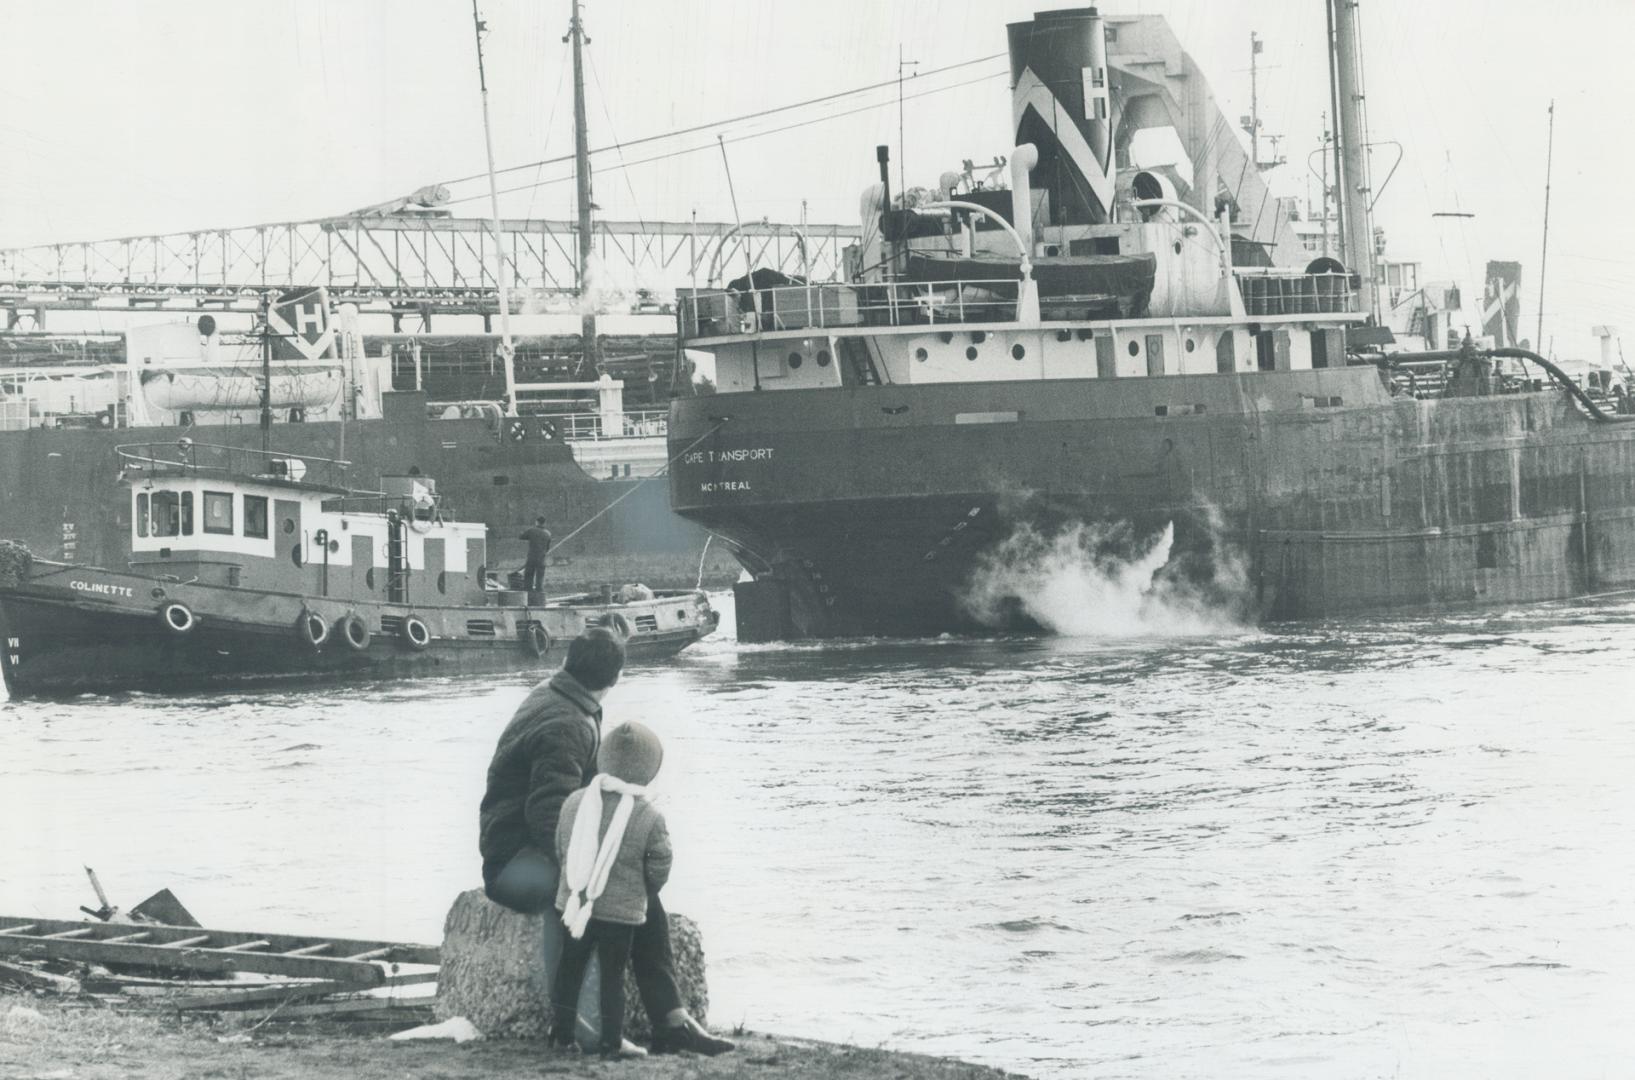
x=398 y=263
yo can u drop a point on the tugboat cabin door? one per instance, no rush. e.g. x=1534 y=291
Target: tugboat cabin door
x=288 y=514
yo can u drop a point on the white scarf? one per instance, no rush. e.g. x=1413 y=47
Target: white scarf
x=588 y=865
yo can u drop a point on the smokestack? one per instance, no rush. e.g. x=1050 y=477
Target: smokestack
x=1060 y=104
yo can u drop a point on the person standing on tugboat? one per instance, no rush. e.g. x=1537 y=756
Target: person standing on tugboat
x=547 y=752
x=539 y=545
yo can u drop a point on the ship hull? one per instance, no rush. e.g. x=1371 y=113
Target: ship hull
x=77 y=630
x=874 y=510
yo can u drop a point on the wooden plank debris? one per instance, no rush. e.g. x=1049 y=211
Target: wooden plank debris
x=344 y=1006
x=228 y=999
x=35 y=979
x=198 y=949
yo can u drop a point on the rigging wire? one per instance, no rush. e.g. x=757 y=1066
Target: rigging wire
x=624 y=168
x=740 y=138
x=714 y=124
x=556 y=99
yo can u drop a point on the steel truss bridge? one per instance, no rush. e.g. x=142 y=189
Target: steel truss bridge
x=403 y=265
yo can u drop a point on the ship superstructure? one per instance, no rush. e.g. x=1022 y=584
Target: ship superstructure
x=1103 y=345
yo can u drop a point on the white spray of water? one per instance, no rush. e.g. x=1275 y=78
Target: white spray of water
x=1069 y=584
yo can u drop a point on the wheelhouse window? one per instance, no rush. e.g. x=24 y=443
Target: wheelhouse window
x=141 y=513
x=171 y=513
x=255 y=516
x=218 y=512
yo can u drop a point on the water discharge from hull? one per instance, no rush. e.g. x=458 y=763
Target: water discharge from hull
x=1101 y=581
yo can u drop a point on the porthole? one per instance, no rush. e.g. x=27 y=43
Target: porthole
x=334 y=547
x=1177 y=247
x=289 y=526
x=1135 y=348
x=921 y=355
x=823 y=358
x=1017 y=351
x=970 y=352
x=295 y=555
x=1190 y=344
x=794 y=360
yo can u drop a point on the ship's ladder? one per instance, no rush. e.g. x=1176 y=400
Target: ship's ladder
x=855 y=352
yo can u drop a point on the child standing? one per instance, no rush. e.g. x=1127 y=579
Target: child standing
x=613 y=847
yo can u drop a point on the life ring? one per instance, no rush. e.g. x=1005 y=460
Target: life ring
x=311 y=628
x=547 y=430
x=353 y=631
x=517 y=430
x=178 y=618
x=416 y=634
x=538 y=640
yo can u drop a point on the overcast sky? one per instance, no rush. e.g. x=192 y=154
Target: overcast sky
x=120 y=118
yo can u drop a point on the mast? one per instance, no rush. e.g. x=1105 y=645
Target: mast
x=1334 y=111
x=1549 y=155
x=1254 y=99
x=1354 y=183
x=266 y=373
x=581 y=171
x=1326 y=251
x=507 y=351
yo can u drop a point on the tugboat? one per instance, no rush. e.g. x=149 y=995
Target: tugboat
x=248 y=565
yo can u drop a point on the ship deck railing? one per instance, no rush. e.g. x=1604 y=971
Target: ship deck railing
x=184 y=457
x=593 y=426
x=708 y=313
x=1279 y=291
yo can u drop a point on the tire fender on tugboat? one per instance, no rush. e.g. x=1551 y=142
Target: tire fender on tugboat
x=177 y=617
x=311 y=628
x=416 y=634
x=353 y=631
x=537 y=640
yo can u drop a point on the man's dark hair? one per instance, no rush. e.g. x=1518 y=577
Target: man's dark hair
x=595 y=658
x=539 y=521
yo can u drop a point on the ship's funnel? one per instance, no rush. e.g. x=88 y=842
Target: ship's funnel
x=1060 y=103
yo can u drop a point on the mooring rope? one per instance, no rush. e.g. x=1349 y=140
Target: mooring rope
x=702 y=555
x=663 y=470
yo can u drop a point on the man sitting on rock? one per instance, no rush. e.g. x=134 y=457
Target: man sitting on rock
x=546 y=753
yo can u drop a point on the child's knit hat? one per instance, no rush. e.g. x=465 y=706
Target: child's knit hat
x=632 y=753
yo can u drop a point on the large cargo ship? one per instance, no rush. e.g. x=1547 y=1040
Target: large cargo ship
x=1116 y=359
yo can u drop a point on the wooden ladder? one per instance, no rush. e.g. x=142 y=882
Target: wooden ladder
x=193 y=948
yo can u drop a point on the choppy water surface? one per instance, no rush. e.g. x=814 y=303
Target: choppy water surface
x=1373 y=849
